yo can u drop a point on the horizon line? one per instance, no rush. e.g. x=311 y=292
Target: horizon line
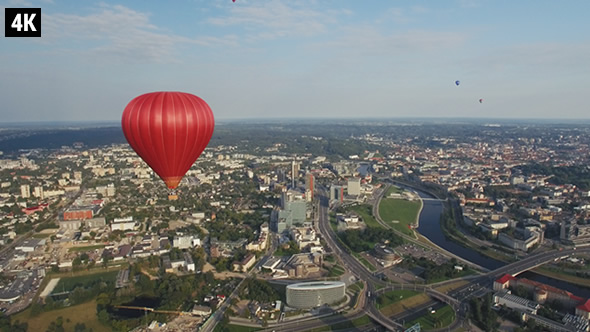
x=371 y=119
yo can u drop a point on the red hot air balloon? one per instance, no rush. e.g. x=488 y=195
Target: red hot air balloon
x=169 y=131
x=481 y=101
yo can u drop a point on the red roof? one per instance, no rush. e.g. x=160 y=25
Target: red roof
x=505 y=278
x=551 y=289
x=584 y=306
x=31 y=210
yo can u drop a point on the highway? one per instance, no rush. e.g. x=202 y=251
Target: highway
x=533 y=261
x=351 y=264
x=478 y=286
x=458 y=298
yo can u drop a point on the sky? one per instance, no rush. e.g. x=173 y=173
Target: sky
x=272 y=59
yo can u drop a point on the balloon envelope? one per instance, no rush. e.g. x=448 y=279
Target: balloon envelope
x=169 y=131
x=457 y=82
x=481 y=101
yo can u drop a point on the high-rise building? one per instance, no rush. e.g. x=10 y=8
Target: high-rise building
x=294 y=172
x=354 y=186
x=281 y=176
x=293 y=211
x=25 y=191
x=38 y=192
x=336 y=193
x=310 y=184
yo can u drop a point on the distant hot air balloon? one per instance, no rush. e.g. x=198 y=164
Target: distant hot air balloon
x=169 y=131
x=457 y=83
x=481 y=101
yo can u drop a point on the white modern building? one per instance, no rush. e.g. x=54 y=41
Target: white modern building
x=123 y=224
x=25 y=191
x=354 y=186
x=315 y=293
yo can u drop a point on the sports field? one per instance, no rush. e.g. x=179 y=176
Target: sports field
x=399 y=213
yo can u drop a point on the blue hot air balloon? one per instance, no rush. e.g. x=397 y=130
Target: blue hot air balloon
x=457 y=83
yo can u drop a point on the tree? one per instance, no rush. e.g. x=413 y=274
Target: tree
x=105 y=260
x=81 y=327
x=57 y=325
x=76 y=263
x=36 y=309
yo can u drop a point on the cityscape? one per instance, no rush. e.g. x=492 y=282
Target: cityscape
x=376 y=226
x=294 y=166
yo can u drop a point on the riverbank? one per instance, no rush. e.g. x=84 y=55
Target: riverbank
x=562 y=277
x=456 y=235
x=430 y=230
x=489 y=257
x=401 y=214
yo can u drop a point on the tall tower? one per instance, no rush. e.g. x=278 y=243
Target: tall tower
x=310 y=183
x=294 y=172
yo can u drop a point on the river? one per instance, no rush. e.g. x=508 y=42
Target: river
x=430 y=228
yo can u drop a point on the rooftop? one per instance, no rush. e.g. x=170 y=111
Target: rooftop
x=313 y=285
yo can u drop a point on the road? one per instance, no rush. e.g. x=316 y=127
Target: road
x=360 y=271
x=217 y=316
x=458 y=299
x=351 y=264
x=414 y=240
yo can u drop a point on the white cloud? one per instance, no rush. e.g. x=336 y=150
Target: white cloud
x=278 y=19
x=117 y=32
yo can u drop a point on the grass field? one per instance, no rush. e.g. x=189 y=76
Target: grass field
x=86 y=248
x=445 y=316
x=466 y=272
x=82 y=313
x=336 y=271
x=405 y=304
x=364 y=320
x=395 y=296
x=563 y=276
x=365 y=212
x=450 y=287
x=236 y=328
x=401 y=210
x=69 y=283
x=393 y=190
